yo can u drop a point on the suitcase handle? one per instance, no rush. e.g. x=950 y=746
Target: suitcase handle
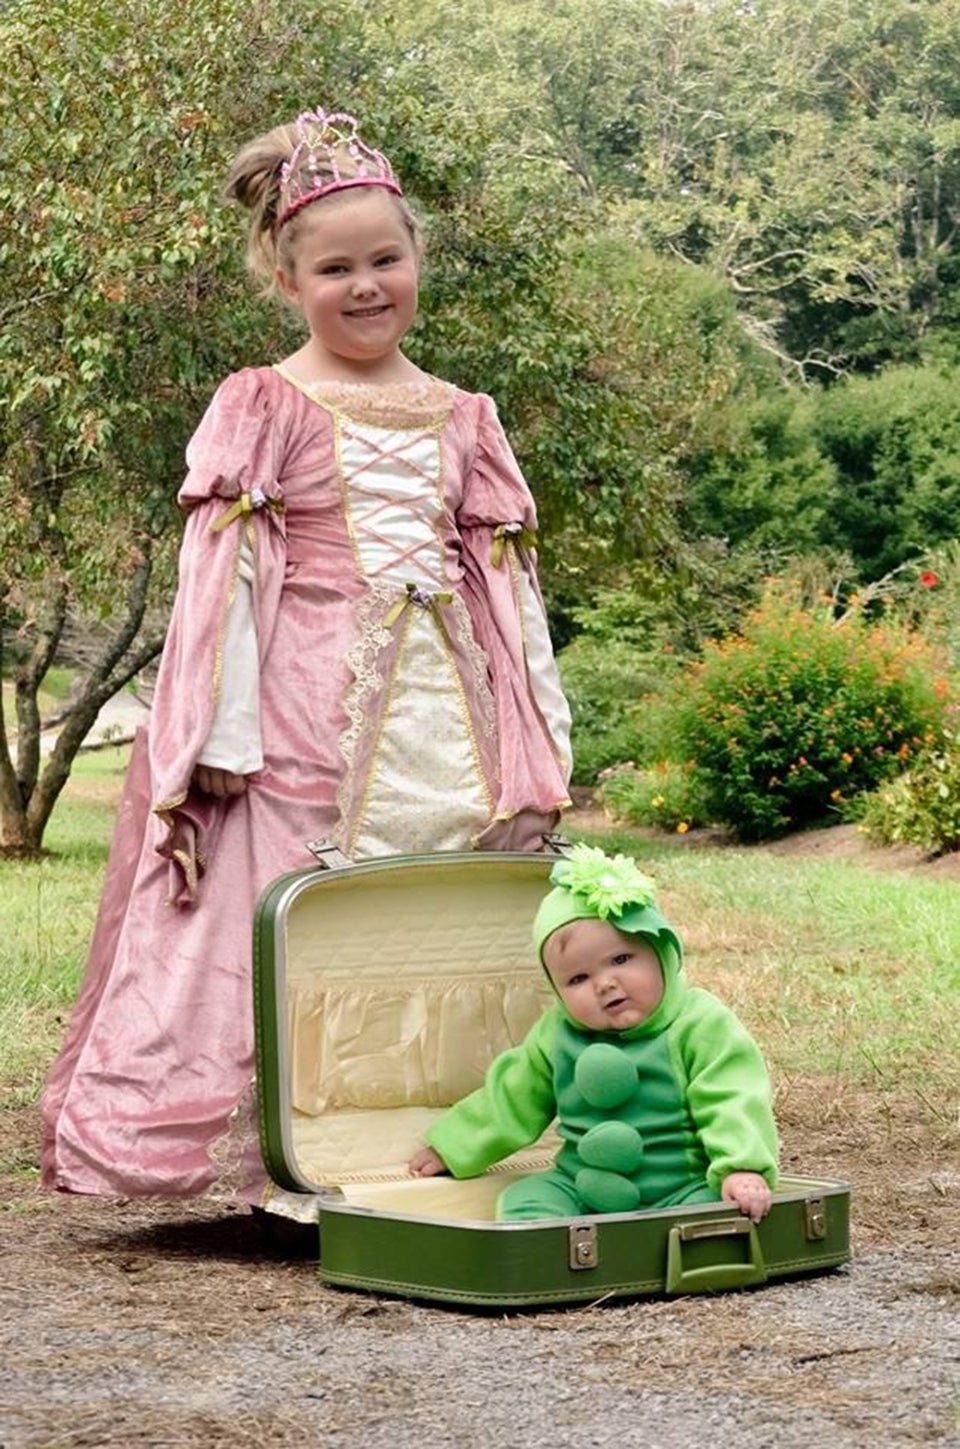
x=715 y=1276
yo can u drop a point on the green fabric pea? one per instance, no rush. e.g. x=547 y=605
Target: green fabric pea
x=616 y=1146
x=606 y=1192
x=604 y=1076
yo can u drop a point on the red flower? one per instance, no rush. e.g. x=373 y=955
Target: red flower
x=929 y=579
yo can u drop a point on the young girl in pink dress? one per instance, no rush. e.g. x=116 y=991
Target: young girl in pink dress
x=358 y=651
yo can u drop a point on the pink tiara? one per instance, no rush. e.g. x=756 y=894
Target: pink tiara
x=323 y=143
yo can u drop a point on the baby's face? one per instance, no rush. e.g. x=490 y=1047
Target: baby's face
x=607 y=980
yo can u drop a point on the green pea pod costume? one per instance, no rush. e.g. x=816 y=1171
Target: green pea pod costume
x=655 y=1116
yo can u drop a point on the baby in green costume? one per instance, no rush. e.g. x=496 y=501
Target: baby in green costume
x=660 y=1094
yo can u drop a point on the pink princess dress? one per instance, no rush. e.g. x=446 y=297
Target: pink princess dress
x=358 y=624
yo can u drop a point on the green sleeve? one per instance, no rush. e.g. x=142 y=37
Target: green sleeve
x=728 y=1090
x=513 y=1107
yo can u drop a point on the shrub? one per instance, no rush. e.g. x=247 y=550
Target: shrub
x=790 y=719
x=667 y=796
x=922 y=806
x=605 y=683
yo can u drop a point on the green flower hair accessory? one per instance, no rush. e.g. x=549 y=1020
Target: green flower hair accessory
x=606 y=883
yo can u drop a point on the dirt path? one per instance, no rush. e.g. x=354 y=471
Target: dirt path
x=136 y=1324
x=169 y=1324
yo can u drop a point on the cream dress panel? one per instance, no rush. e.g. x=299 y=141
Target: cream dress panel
x=425 y=789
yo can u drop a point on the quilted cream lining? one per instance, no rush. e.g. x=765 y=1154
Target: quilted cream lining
x=402 y=983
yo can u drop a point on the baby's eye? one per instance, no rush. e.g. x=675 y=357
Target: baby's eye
x=332 y=269
x=621 y=958
x=386 y=261
x=577 y=980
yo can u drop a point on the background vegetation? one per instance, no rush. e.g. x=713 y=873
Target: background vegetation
x=703 y=254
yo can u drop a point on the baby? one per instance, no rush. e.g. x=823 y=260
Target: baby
x=660 y=1094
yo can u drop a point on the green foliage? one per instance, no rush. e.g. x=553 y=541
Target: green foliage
x=667 y=795
x=631 y=637
x=804 y=150
x=605 y=683
x=922 y=806
x=894 y=443
x=122 y=302
x=936 y=602
x=792 y=717
x=763 y=480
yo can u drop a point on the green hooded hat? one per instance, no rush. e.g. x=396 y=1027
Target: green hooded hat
x=588 y=884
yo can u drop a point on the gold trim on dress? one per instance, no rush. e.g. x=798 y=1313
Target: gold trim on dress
x=424 y=404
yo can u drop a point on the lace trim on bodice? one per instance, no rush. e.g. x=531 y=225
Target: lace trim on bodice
x=421 y=403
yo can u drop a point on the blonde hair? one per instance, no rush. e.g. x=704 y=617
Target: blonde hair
x=254 y=182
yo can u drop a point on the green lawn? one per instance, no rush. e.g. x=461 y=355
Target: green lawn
x=846 y=974
x=48 y=912
x=843 y=971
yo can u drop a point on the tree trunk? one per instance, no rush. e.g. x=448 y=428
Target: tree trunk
x=28 y=792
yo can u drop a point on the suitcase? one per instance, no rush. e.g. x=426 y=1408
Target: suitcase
x=382 y=990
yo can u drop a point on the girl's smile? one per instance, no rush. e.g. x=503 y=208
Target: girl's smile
x=354 y=277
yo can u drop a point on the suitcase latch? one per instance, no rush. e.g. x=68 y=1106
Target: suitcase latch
x=584 y=1246
x=328 y=854
x=815 y=1217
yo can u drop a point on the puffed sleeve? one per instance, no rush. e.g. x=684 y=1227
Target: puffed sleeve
x=728 y=1091
x=232 y=496
x=497 y=524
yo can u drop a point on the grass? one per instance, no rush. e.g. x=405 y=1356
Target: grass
x=49 y=908
x=842 y=972
x=54 y=690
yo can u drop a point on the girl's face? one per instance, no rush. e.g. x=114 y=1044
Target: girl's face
x=354 y=277
x=607 y=980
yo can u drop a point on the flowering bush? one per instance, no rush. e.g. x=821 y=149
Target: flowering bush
x=922 y=806
x=666 y=795
x=790 y=719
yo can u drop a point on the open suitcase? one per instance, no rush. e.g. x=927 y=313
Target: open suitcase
x=382 y=991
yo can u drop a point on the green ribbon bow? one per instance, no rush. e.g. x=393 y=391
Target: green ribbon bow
x=426 y=600
x=246 y=504
x=510 y=535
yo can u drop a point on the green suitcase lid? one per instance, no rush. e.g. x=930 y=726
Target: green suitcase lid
x=382 y=990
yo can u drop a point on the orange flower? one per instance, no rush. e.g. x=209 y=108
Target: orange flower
x=682 y=827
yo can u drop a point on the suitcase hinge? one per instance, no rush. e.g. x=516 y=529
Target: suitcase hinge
x=815 y=1218
x=328 y=854
x=584 y=1245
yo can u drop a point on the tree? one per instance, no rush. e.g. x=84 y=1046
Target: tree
x=894 y=442
x=121 y=302
x=808 y=151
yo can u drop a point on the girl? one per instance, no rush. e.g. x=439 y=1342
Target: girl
x=358 y=650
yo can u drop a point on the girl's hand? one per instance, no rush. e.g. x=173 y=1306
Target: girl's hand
x=749 y=1191
x=220 y=783
x=427 y=1163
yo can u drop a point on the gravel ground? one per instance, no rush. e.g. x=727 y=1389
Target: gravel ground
x=162 y=1324
x=144 y=1323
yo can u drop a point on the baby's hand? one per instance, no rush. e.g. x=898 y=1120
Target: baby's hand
x=427 y=1163
x=749 y=1192
x=221 y=783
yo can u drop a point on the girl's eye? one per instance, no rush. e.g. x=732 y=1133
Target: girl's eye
x=332 y=270
x=387 y=261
